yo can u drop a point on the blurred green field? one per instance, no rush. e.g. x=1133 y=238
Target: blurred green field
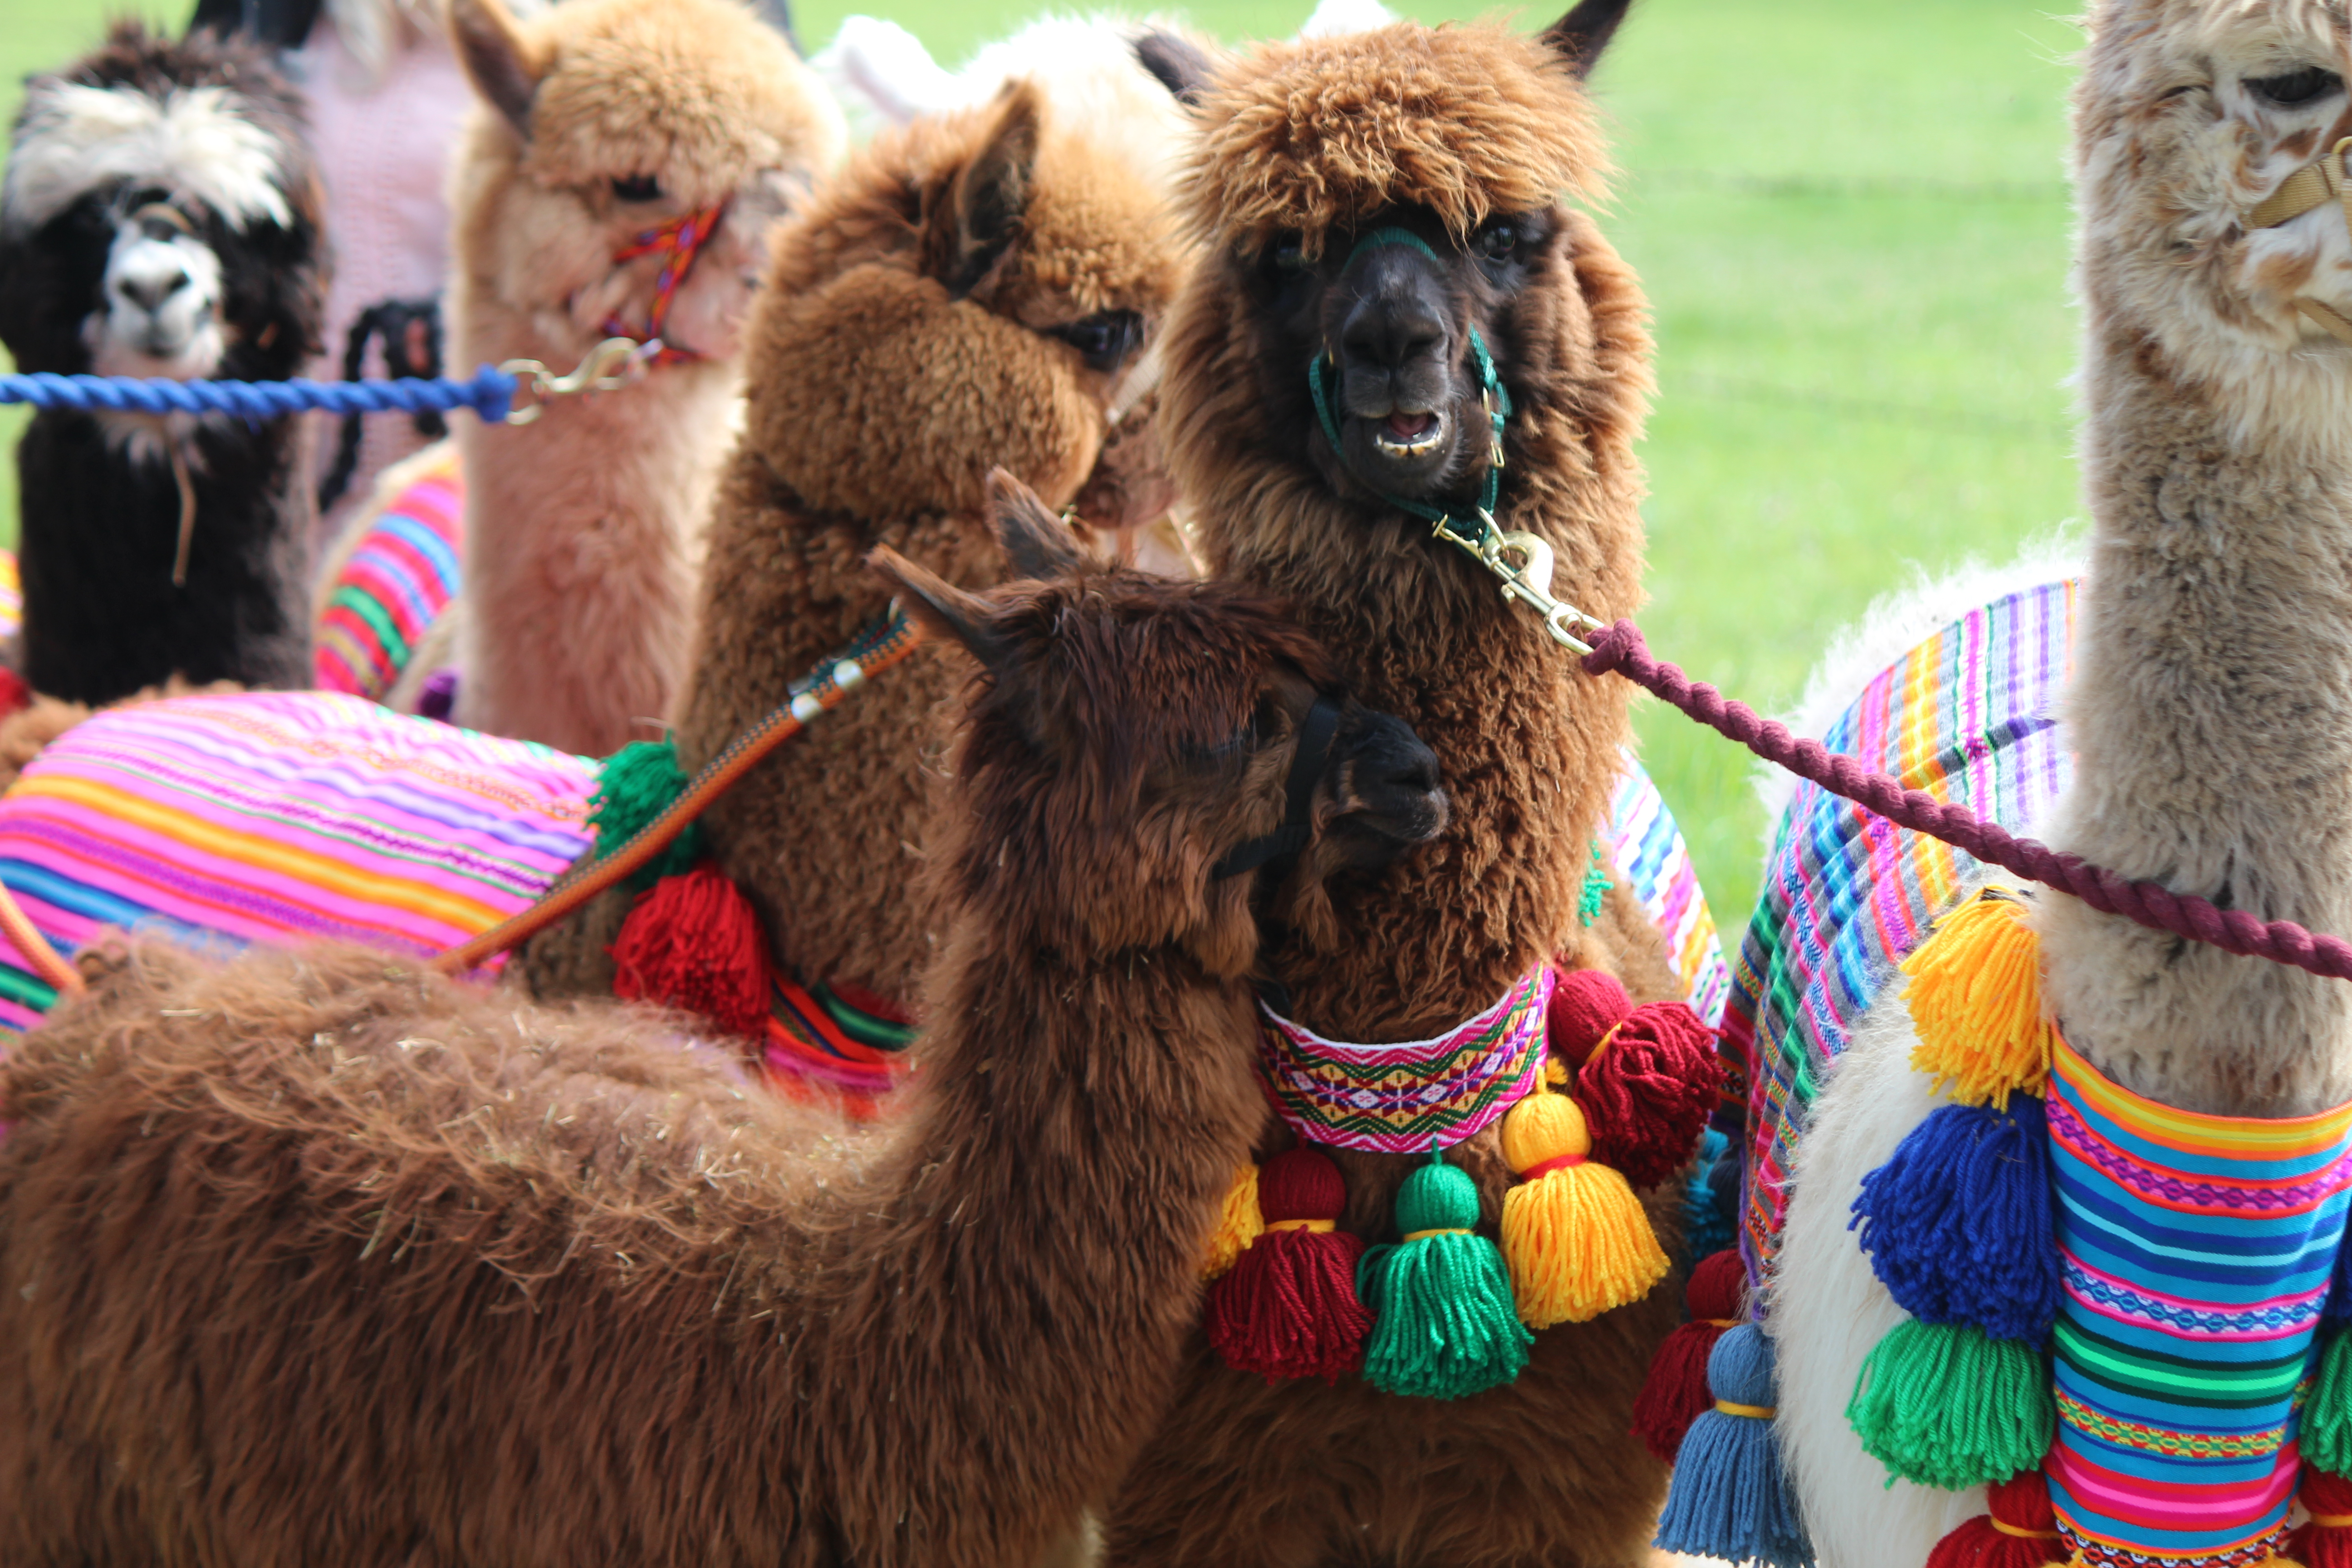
x=1850 y=218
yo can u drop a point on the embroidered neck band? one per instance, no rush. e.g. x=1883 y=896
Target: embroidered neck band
x=1415 y=1096
x=2196 y=1253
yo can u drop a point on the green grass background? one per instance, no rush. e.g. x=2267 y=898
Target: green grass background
x=1851 y=219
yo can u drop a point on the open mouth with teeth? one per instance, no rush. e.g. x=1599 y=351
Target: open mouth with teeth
x=1402 y=435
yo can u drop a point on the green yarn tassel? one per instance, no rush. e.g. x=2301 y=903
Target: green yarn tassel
x=1945 y=1405
x=1444 y=1323
x=633 y=788
x=1596 y=888
x=2327 y=1414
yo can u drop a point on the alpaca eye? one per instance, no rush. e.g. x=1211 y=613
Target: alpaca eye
x=638 y=188
x=1105 y=340
x=1290 y=255
x=2297 y=87
x=1496 y=242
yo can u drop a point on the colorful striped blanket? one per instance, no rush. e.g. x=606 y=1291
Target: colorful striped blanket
x=2196 y=1253
x=1966 y=716
x=394 y=582
x=281 y=817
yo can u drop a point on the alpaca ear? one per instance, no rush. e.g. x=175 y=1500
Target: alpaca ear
x=940 y=608
x=1039 y=543
x=990 y=200
x=777 y=14
x=504 y=70
x=1580 y=36
x=1178 y=64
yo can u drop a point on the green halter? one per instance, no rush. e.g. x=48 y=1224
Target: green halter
x=1491 y=391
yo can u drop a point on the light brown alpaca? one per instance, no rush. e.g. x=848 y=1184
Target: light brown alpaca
x=313 y=1259
x=2209 y=714
x=601 y=121
x=1461 y=140
x=970 y=292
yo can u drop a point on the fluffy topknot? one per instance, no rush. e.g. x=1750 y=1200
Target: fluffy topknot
x=1465 y=121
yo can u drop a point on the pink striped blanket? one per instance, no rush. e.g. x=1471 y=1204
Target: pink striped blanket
x=281 y=817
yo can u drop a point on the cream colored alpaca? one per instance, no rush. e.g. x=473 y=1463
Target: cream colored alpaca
x=2210 y=715
x=599 y=122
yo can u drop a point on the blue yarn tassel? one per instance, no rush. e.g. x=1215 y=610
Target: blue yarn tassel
x=1706 y=1220
x=1958 y=1223
x=1730 y=1496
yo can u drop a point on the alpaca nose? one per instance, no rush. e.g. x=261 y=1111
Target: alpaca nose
x=1393 y=332
x=148 y=290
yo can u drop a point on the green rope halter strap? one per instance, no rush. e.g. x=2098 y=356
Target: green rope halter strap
x=1492 y=393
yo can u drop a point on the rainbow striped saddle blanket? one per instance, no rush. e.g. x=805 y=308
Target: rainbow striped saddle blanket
x=1968 y=716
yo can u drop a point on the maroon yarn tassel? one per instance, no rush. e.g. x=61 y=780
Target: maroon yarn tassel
x=1648 y=1091
x=1675 y=1393
x=1288 y=1308
x=2322 y=1545
x=2020 y=1502
x=1649 y=1077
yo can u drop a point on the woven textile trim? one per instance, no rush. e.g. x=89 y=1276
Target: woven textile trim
x=2196 y=1253
x=1967 y=716
x=1413 y=1095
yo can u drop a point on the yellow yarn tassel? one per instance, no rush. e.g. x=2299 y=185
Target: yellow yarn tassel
x=1238 y=1223
x=1575 y=1237
x=1975 y=991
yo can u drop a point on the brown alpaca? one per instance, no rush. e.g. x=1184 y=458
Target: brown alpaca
x=1463 y=138
x=599 y=122
x=970 y=292
x=315 y=1259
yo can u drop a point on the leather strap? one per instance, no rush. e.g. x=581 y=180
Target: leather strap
x=2312 y=185
x=1315 y=736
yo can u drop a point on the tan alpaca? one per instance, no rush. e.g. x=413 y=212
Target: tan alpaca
x=601 y=121
x=970 y=291
x=2210 y=714
x=426 y=1279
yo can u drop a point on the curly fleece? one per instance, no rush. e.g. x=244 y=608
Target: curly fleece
x=1320 y=133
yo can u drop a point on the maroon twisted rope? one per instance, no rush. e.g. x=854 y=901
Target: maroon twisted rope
x=1621 y=649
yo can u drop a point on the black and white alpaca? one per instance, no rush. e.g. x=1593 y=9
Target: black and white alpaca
x=160 y=217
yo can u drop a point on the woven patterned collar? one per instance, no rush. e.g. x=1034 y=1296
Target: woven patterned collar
x=1412 y=1096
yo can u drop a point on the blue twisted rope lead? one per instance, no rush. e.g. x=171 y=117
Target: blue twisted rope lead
x=488 y=392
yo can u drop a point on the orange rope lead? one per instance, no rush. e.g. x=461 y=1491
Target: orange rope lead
x=822 y=691
x=46 y=961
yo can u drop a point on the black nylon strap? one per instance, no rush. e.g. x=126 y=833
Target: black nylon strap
x=1315 y=736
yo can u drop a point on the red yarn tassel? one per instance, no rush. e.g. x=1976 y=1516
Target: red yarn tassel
x=694 y=942
x=1675 y=1393
x=15 y=695
x=2326 y=1540
x=2021 y=1532
x=1648 y=1091
x=1288 y=1307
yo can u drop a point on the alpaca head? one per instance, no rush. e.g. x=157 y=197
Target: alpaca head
x=161 y=216
x=611 y=134
x=972 y=290
x=2189 y=114
x=1127 y=733
x=1375 y=206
